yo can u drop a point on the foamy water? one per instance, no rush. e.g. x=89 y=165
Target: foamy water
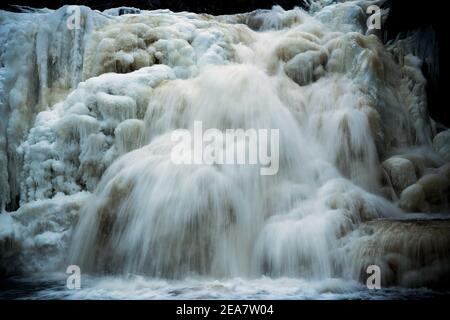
x=138 y=287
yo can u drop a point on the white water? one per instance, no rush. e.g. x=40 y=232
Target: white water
x=98 y=188
x=137 y=287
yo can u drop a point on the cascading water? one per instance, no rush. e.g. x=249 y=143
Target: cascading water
x=98 y=187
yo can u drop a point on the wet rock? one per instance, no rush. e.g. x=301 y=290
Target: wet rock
x=410 y=253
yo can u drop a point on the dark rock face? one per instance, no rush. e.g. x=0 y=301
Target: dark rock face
x=430 y=43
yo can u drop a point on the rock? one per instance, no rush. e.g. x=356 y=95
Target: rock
x=435 y=187
x=445 y=170
x=419 y=163
x=413 y=199
x=304 y=68
x=401 y=172
x=410 y=252
x=441 y=143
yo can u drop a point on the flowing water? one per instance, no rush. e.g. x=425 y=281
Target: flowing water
x=88 y=117
x=138 y=287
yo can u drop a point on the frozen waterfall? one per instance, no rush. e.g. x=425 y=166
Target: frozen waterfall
x=88 y=113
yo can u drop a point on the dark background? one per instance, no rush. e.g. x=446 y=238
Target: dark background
x=200 y=6
x=405 y=15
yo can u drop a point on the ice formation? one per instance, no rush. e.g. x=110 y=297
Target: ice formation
x=87 y=116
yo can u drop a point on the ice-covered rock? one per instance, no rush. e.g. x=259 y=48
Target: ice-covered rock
x=130 y=134
x=441 y=143
x=435 y=187
x=401 y=172
x=33 y=237
x=411 y=253
x=71 y=145
x=413 y=199
x=41 y=61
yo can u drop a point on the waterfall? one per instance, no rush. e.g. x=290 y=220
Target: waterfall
x=362 y=174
